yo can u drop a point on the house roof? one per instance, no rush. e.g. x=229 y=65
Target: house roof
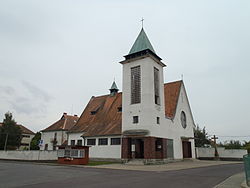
x=171 y=94
x=141 y=43
x=24 y=130
x=65 y=123
x=103 y=117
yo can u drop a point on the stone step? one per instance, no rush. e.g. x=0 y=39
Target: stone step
x=135 y=162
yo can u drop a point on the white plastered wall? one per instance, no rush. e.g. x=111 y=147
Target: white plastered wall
x=105 y=151
x=148 y=111
x=75 y=136
x=46 y=137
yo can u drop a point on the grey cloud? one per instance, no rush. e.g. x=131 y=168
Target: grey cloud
x=36 y=92
x=24 y=105
x=7 y=90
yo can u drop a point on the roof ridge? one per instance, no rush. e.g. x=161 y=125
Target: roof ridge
x=65 y=120
x=173 y=82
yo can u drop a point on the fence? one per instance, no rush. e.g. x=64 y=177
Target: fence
x=224 y=154
x=29 y=155
x=246 y=159
x=74 y=153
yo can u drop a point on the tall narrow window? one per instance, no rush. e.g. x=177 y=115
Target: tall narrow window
x=135 y=85
x=156 y=86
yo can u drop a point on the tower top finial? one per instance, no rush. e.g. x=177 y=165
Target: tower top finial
x=142 y=22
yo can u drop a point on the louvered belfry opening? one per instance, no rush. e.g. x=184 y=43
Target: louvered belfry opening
x=135 y=85
x=156 y=86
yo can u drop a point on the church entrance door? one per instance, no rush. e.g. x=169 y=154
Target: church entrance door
x=137 y=148
x=186 y=149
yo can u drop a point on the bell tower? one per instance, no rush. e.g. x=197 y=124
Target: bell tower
x=143 y=89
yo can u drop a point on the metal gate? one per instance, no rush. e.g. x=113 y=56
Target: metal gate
x=246 y=159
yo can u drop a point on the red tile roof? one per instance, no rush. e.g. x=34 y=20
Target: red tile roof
x=171 y=92
x=25 y=130
x=65 y=123
x=101 y=115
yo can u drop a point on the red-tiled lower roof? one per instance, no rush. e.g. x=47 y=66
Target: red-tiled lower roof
x=65 y=123
x=24 y=130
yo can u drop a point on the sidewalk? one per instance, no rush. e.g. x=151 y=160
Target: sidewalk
x=234 y=181
x=186 y=164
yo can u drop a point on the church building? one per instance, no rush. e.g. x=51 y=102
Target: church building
x=149 y=120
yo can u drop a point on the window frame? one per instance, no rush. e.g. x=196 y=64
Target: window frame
x=135 y=82
x=100 y=143
x=113 y=141
x=72 y=142
x=157 y=86
x=91 y=139
x=135 y=119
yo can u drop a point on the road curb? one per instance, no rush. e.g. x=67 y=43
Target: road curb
x=244 y=185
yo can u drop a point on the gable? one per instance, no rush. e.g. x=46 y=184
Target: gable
x=65 y=123
x=171 y=95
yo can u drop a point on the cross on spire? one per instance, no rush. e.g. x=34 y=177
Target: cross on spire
x=142 y=22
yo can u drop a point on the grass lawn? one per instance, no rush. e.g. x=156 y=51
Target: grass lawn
x=95 y=163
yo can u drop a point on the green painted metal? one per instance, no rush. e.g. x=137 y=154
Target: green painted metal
x=141 y=43
x=114 y=86
x=246 y=159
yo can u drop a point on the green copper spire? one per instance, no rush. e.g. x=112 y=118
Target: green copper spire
x=114 y=89
x=114 y=86
x=141 y=43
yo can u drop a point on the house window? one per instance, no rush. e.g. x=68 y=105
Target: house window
x=115 y=141
x=158 y=144
x=135 y=119
x=102 y=141
x=91 y=142
x=93 y=112
x=55 y=135
x=46 y=147
x=135 y=85
x=119 y=109
x=79 y=142
x=156 y=86
x=24 y=144
x=72 y=142
x=26 y=136
x=158 y=120
x=183 y=120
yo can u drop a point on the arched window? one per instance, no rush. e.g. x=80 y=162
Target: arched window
x=183 y=119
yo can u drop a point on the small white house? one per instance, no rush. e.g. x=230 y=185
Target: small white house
x=56 y=134
x=149 y=120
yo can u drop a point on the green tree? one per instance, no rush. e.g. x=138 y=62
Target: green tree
x=34 y=145
x=10 y=133
x=201 y=137
x=246 y=146
x=233 y=144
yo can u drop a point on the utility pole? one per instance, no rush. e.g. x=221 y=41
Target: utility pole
x=216 y=154
x=6 y=140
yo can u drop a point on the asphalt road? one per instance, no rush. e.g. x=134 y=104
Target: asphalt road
x=21 y=174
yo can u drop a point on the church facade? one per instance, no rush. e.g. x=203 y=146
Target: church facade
x=149 y=120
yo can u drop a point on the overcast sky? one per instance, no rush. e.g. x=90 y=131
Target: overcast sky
x=55 y=55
